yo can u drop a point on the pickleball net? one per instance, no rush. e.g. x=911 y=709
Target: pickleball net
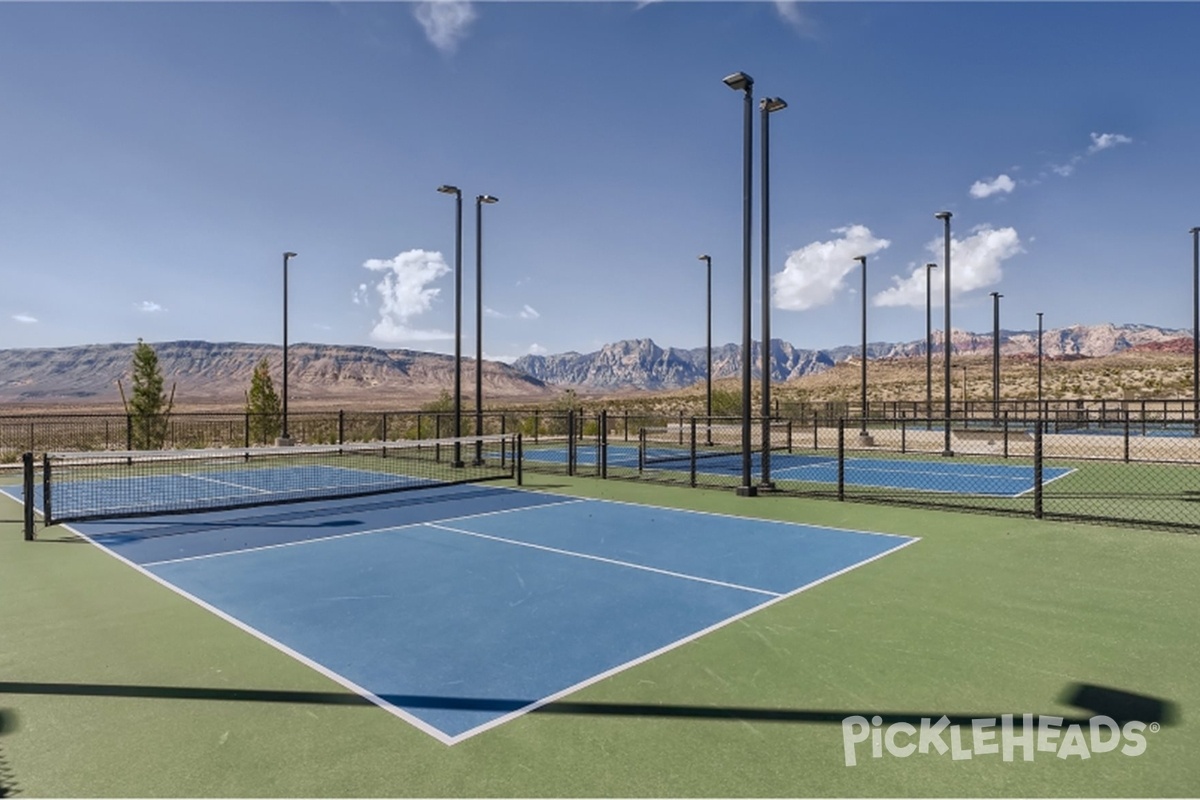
x=77 y=486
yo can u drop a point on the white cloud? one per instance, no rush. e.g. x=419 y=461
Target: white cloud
x=813 y=275
x=536 y=349
x=789 y=12
x=492 y=313
x=24 y=318
x=360 y=295
x=1103 y=141
x=405 y=292
x=1000 y=184
x=149 y=307
x=1065 y=170
x=528 y=312
x=445 y=22
x=974 y=264
x=503 y=359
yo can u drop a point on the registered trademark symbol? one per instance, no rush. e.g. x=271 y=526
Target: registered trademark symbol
x=1154 y=726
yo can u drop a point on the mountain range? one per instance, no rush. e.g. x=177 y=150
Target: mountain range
x=219 y=373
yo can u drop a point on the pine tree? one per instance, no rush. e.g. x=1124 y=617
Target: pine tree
x=148 y=408
x=263 y=406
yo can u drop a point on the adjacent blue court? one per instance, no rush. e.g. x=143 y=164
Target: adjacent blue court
x=947 y=476
x=458 y=608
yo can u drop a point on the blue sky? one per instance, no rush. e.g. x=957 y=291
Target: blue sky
x=160 y=157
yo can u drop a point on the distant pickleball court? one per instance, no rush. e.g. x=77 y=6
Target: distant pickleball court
x=929 y=475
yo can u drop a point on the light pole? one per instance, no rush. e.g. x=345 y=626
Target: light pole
x=996 y=355
x=454 y=190
x=740 y=81
x=1195 y=232
x=285 y=439
x=1039 y=357
x=768 y=105
x=929 y=346
x=862 y=433
x=707 y=259
x=944 y=216
x=479 y=201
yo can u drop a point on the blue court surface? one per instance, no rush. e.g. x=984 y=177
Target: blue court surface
x=947 y=476
x=458 y=608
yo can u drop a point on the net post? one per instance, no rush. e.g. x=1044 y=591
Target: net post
x=571 y=442
x=1126 y=435
x=841 y=459
x=47 y=512
x=1037 y=473
x=692 y=453
x=519 y=461
x=27 y=469
x=602 y=445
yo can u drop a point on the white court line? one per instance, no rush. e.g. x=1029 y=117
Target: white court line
x=668 y=647
x=332 y=536
x=337 y=678
x=1044 y=482
x=223 y=483
x=719 y=514
x=602 y=559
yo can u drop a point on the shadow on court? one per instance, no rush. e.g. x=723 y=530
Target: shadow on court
x=1118 y=704
x=8 y=779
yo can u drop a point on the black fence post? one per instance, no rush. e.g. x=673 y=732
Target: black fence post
x=841 y=460
x=816 y=443
x=681 y=426
x=383 y=427
x=571 y=442
x=1037 y=474
x=246 y=430
x=692 y=454
x=1006 y=434
x=341 y=426
x=27 y=467
x=128 y=432
x=519 y=460
x=626 y=424
x=1126 y=433
x=47 y=508
x=602 y=445
x=789 y=434
x=903 y=436
x=641 y=450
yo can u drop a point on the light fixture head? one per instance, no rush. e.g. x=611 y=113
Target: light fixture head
x=861 y=259
x=1194 y=231
x=446 y=188
x=486 y=198
x=943 y=215
x=770 y=104
x=739 y=81
x=931 y=265
x=289 y=255
x=705 y=257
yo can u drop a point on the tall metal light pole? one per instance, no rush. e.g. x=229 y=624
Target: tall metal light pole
x=996 y=355
x=479 y=201
x=944 y=216
x=929 y=346
x=707 y=259
x=454 y=190
x=285 y=438
x=740 y=81
x=1195 y=232
x=862 y=433
x=1039 y=357
x=768 y=105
